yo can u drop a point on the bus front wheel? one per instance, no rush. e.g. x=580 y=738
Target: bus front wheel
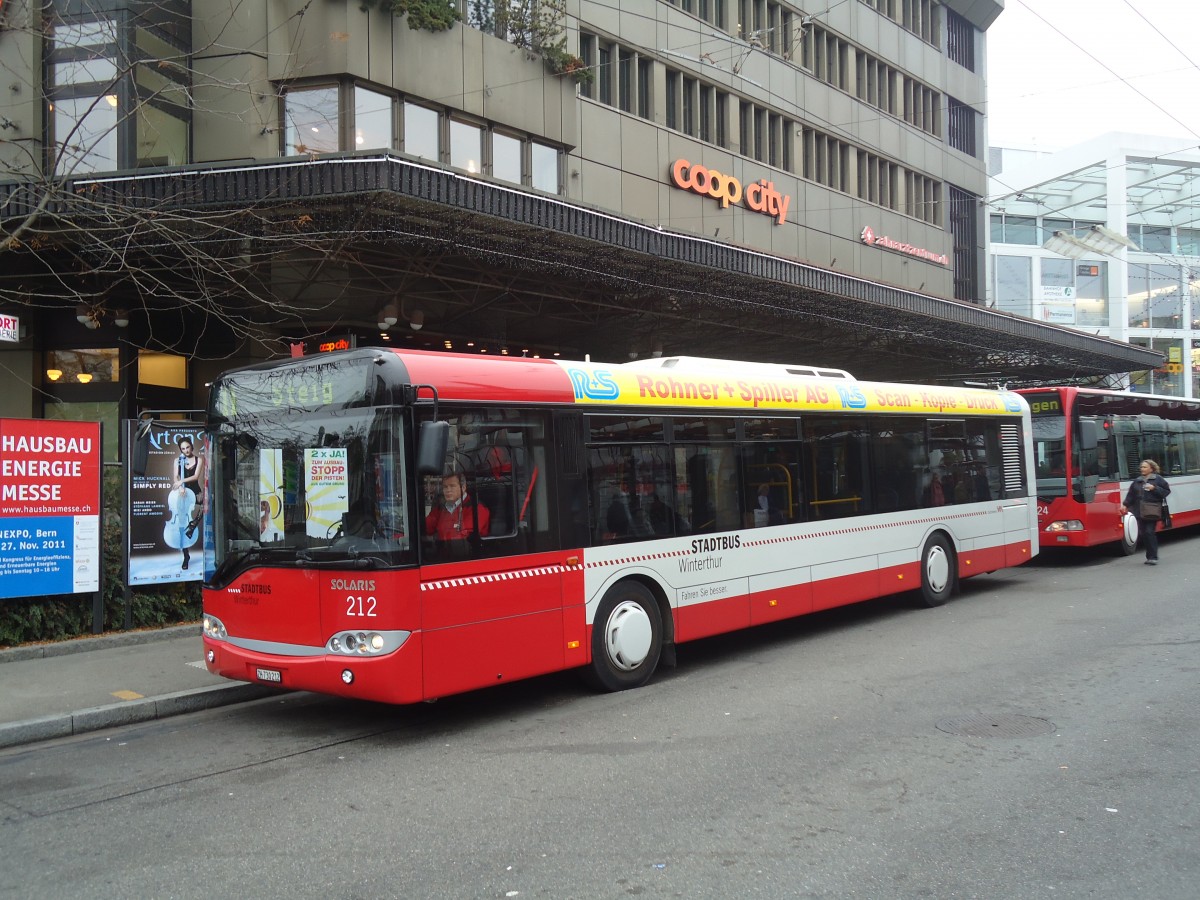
x=626 y=637
x=938 y=571
x=1129 y=535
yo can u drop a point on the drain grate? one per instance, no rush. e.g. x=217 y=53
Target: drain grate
x=1004 y=726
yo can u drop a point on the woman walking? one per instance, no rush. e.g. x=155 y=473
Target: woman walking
x=1145 y=502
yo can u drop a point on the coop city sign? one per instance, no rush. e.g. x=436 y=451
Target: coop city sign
x=760 y=196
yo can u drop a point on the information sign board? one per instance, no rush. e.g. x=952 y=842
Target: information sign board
x=49 y=507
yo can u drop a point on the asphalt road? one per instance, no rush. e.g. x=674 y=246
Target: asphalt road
x=1036 y=737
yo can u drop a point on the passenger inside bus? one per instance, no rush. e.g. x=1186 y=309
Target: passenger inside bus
x=766 y=510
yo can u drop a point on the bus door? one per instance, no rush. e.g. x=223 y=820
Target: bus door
x=491 y=577
x=1086 y=442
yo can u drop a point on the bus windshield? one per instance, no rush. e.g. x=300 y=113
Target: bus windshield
x=327 y=486
x=1049 y=453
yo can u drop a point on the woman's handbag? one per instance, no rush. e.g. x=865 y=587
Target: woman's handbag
x=1151 y=508
x=1166 y=515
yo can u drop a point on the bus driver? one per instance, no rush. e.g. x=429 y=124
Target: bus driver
x=456 y=516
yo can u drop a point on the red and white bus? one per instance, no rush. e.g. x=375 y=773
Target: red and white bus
x=1087 y=447
x=629 y=508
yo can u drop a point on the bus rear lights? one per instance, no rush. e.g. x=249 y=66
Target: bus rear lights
x=215 y=629
x=347 y=676
x=1065 y=525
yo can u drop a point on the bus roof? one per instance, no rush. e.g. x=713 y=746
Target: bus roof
x=372 y=376
x=691 y=383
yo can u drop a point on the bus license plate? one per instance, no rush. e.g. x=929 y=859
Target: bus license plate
x=269 y=675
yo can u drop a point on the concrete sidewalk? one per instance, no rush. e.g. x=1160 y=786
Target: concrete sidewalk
x=71 y=687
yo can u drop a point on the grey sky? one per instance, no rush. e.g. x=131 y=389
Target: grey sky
x=1048 y=93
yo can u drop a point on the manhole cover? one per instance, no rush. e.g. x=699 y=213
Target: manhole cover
x=1006 y=726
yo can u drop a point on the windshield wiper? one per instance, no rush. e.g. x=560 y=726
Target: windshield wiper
x=240 y=558
x=350 y=556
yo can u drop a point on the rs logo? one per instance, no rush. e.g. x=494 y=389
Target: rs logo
x=597 y=385
x=852 y=398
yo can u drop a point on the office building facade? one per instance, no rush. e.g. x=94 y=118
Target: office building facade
x=588 y=178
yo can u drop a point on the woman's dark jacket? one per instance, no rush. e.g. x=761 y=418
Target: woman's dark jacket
x=1137 y=493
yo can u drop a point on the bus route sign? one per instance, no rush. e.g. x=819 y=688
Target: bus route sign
x=49 y=507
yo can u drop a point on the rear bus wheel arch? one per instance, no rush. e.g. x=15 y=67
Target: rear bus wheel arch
x=939 y=569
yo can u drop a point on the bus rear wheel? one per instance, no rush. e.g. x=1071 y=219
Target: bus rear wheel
x=939 y=575
x=626 y=638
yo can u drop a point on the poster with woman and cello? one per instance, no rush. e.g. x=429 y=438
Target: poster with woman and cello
x=167 y=505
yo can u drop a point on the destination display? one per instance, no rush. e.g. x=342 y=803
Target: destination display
x=313 y=385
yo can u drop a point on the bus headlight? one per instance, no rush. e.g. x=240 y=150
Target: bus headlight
x=214 y=629
x=1067 y=525
x=366 y=643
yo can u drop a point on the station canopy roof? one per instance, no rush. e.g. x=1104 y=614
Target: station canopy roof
x=325 y=245
x=1158 y=180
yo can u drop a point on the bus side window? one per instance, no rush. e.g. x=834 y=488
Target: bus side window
x=837 y=477
x=630 y=489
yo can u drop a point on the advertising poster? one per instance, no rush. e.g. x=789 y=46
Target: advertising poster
x=166 y=506
x=49 y=507
x=325 y=475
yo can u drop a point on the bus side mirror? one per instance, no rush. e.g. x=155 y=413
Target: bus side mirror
x=1089 y=438
x=432 y=441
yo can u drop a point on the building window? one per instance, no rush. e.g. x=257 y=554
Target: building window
x=83 y=366
x=673 y=80
x=922 y=107
x=1152 y=238
x=921 y=17
x=85 y=134
x=960 y=40
x=964 y=237
x=1189 y=244
x=829 y=59
x=645 y=86
x=1049 y=226
x=625 y=69
x=711 y=11
x=604 y=74
x=1014 y=284
x=587 y=53
x=1014 y=230
x=373 y=120
x=923 y=197
x=116 y=93
x=544 y=168
x=162 y=138
x=826 y=160
x=690 y=90
x=466 y=146
x=1155 y=296
x=961 y=130
x=311 y=123
x=760 y=134
x=506 y=157
x=422 y=127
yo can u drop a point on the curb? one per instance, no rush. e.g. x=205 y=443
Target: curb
x=30 y=731
x=97 y=642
